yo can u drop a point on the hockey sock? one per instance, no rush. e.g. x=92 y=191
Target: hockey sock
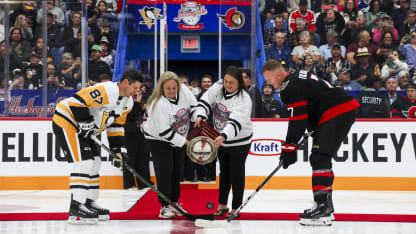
x=94 y=185
x=322 y=184
x=79 y=180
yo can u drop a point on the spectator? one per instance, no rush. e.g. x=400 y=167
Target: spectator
x=393 y=66
x=385 y=25
x=373 y=13
x=206 y=83
x=327 y=21
x=58 y=15
x=335 y=64
x=302 y=12
x=253 y=91
x=364 y=6
x=70 y=70
x=311 y=65
x=105 y=54
x=294 y=4
x=14 y=63
x=406 y=48
x=300 y=51
x=270 y=107
x=403 y=79
x=405 y=108
x=96 y=66
x=148 y=86
x=354 y=29
x=325 y=50
x=33 y=70
x=27 y=9
x=18 y=80
x=399 y=15
x=270 y=34
x=364 y=67
x=111 y=5
x=104 y=31
x=372 y=103
x=52 y=83
x=104 y=77
x=105 y=14
x=38 y=48
x=21 y=48
x=345 y=81
x=22 y=23
x=279 y=50
x=295 y=35
x=54 y=38
x=409 y=26
x=363 y=42
x=391 y=96
x=350 y=12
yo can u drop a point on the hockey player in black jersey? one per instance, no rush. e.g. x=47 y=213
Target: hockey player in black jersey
x=313 y=104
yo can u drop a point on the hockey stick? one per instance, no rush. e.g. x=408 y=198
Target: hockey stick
x=222 y=223
x=153 y=187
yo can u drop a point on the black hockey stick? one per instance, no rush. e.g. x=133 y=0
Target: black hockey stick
x=204 y=223
x=153 y=187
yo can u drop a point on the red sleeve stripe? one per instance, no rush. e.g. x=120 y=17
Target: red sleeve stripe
x=327 y=174
x=321 y=187
x=297 y=104
x=299 y=117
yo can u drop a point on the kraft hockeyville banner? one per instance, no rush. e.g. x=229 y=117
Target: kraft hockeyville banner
x=190 y=16
x=376 y=155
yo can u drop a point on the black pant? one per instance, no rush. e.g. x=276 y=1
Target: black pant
x=208 y=171
x=232 y=173
x=139 y=156
x=167 y=161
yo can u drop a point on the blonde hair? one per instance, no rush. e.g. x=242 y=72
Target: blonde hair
x=66 y=55
x=158 y=91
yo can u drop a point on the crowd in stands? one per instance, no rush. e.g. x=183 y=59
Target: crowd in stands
x=63 y=27
x=349 y=43
x=357 y=45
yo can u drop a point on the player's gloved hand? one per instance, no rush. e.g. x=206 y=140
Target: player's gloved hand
x=119 y=157
x=289 y=155
x=86 y=129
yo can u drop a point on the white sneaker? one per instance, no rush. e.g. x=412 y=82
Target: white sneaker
x=166 y=213
x=176 y=212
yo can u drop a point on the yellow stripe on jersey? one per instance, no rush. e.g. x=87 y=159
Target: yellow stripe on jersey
x=111 y=134
x=76 y=104
x=71 y=136
x=65 y=108
x=122 y=119
x=63 y=123
x=94 y=96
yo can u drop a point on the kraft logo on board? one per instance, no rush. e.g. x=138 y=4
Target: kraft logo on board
x=190 y=14
x=266 y=147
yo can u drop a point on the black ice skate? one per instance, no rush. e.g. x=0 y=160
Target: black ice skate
x=319 y=215
x=103 y=214
x=329 y=205
x=80 y=214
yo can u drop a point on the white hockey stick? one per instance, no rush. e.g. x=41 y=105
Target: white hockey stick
x=224 y=223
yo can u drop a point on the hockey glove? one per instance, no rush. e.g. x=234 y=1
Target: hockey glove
x=86 y=129
x=120 y=157
x=289 y=154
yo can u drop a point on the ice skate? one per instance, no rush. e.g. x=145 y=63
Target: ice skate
x=176 y=212
x=319 y=215
x=103 y=214
x=80 y=214
x=315 y=205
x=166 y=213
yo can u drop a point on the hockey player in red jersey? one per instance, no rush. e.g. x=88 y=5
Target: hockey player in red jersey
x=313 y=104
x=405 y=108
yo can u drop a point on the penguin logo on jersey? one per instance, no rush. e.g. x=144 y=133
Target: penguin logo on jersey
x=108 y=119
x=220 y=115
x=180 y=121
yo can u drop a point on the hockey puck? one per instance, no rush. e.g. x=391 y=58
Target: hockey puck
x=210 y=205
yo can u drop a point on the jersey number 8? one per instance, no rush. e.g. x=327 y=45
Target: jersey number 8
x=96 y=95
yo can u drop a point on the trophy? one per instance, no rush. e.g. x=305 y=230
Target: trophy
x=201 y=147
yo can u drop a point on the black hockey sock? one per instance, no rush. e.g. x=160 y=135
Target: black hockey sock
x=322 y=184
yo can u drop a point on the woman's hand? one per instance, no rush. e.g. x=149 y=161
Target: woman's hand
x=198 y=122
x=218 y=141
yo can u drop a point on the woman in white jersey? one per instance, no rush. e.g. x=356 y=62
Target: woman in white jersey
x=230 y=105
x=170 y=109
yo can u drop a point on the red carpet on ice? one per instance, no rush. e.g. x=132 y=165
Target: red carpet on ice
x=194 y=201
